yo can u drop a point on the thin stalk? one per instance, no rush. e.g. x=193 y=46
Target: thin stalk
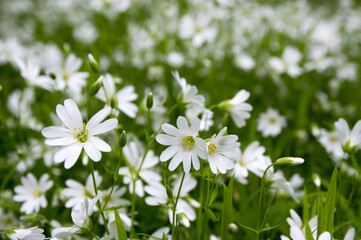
x=260 y=203
x=175 y=207
x=115 y=177
x=96 y=193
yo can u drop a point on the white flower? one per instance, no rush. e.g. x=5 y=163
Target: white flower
x=64 y=232
x=251 y=159
x=76 y=192
x=78 y=135
x=30 y=71
x=81 y=212
x=284 y=187
x=134 y=155
x=32 y=193
x=331 y=143
x=159 y=233
x=175 y=59
x=33 y=233
x=222 y=151
x=8 y=219
x=297 y=228
x=123 y=97
x=86 y=33
x=184 y=144
x=189 y=93
x=271 y=123
x=244 y=61
x=237 y=107
x=112 y=226
x=288 y=63
x=68 y=77
x=351 y=140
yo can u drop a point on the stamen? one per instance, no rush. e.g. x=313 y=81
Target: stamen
x=211 y=148
x=188 y=142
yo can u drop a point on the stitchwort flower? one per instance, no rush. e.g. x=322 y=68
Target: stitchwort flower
x=184 y=145
x=78 y=135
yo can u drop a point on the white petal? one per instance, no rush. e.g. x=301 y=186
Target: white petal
x=187 y=162
x=176 y=160
x=165 y=139
x=196 y=123
x=61 y=154
x=60 y=141
x=183 y=125
x=171 y=130
x=97 y=118
x=325 y=236
x=93 y=153
x=168 y=153
x=106 y=126
x=56 y=132
x=73 y=111
x=100 y=144
x=73 y=155
x=64 y=117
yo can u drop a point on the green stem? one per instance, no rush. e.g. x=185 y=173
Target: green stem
x=175 y=207
x=96 y=193
x=115 y=177
x=260 y=202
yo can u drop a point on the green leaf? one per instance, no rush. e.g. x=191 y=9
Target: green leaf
x=329 y=208
x=213 y=196
x=122 y=235
x=320 y=222
x=227 y=210
x=212 y=216
x=306 y=216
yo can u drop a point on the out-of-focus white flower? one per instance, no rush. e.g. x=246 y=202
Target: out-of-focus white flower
x=244 y=61
x=331 y=143
x=30 y=71
x=68 y=78
x=7 y=220
x=297 y=228
x=318 y=59
x=78 y=135
x=85 y=33
x=123 y=98
x=222 y=151
x=206 y=119
x=32 y=193
x=64 y=232
x=112 y=226
x=76 y=192
x=189 y=93
x=348 y=72
x=159 y=233
x=175 y=59
x=351 y=140
x=251 y=159
x=237 y=107
x=271 y=123
x=134 y=154
x=284 y=187
x=10 y=49
x=81 y=212
x=184 y=144
x=33 y=233
x=288 y=63
x=198 y=29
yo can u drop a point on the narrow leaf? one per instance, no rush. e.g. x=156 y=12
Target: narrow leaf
x=329 y=209
x=122 y=235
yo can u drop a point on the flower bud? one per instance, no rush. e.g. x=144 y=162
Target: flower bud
x=123 y=139
x=316 y=179
x=94 y=65
x=96 y=86
x=150 y=101
x=169 y=193
x=182 y=219
x=52 y=75
x=291 y=161
x=232 y=228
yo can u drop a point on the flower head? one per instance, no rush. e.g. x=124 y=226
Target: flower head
x=32 y=193
x=78 y=135
x=222 y=151
x=237 y=107
x=27 y=234
x=271 y=123
x=351 y=140
x=184 y=145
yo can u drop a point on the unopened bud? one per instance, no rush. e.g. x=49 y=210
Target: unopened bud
x=96 y=86
x=290 y=161
x=169 y=193
x=94 y=65
x=232 y=228
x=52 y=75
x=182 y=219
x=316 y=179
x=150 y=100
x=123 y=139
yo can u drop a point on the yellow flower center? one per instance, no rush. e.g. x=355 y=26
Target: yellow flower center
x=272 y=120
x=211 y=148
x=65 y=75
x=81 y=133
x=333 y=139
x=36 y=193
x=188 y=142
